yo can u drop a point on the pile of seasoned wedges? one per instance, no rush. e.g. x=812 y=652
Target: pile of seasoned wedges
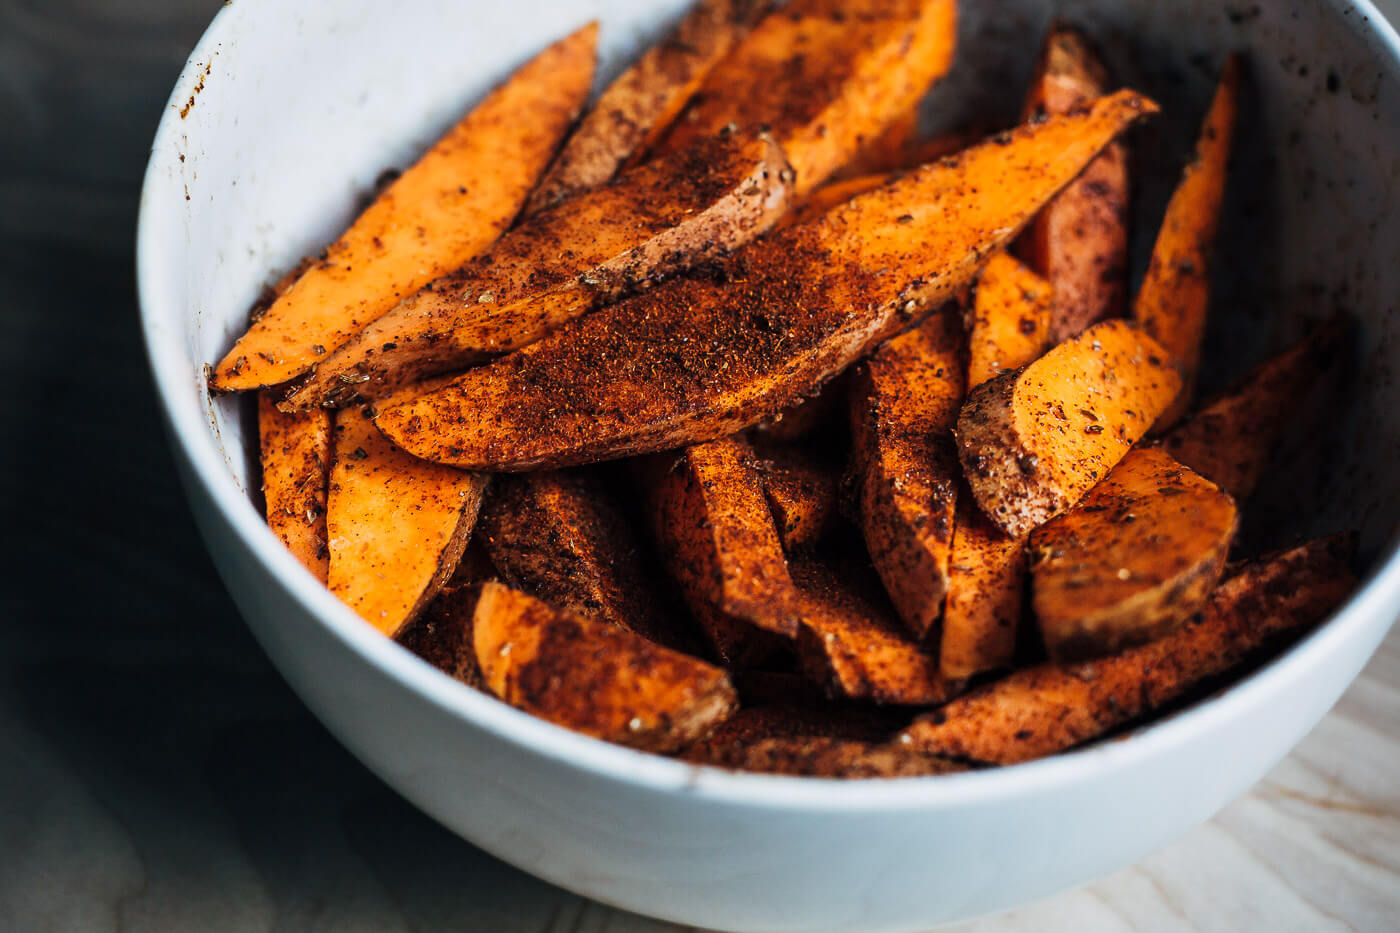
x=735 y=418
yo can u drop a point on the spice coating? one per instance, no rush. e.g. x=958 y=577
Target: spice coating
x=703 y=356
x=593 y=677
x=1033 y=441
x=1133 y=560
x=904 y=402
x=666 y=216
x=825 y=77
x=558 y=536
x=641 y=104
x=1053 y=707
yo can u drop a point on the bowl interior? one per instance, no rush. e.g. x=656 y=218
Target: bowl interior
x=297 y=108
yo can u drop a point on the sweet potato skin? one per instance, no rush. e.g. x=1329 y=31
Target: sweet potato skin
x=396 y=525
x=641 y=104
x=296 y=459
x=904 y=402
x=1053 y=707
x=986 y=579
x=834 y=73
x=1009 y=321
x=1079 y=242
x=661 y=218
x=1229 y=441
x=1032 y=442
x=459 y=197
x=1133 y=560
x=593 y=677
x=558 y=536
x=703 y=357
x=717 y=539
x=853 y=645
x=1172 y=302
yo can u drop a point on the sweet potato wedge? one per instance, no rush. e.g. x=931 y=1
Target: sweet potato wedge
x=559 y=537
x=1133 y=560
x=1079 y=242
x=640 y=105
x=294 y=452
x=825 y=77
x=459 y=197
x=594 y=677
x=1172 y=302
x=396 y=525
x=1008 y=325
x=1053 y=707
x=876 y=172
x=702 y=357
x=811 y=741
x=718 y=542
x=296 y=462
x=986 y=582
x=1034 y=441
x=852 y=643
x=904 y=402
x=829 y=197
x=663 y=217
x=1229 y=442
x=803 y=492
x=442 y=634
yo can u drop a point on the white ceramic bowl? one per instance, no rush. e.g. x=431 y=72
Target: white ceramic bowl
x=286 y=113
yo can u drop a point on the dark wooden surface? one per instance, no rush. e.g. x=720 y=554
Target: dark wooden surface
x=155 y=772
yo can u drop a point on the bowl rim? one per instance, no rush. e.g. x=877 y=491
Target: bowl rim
x=193 y=438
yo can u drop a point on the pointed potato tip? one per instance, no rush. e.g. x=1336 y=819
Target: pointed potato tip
x=1130 y=99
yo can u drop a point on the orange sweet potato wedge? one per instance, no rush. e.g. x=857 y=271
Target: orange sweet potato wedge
x=442 y=634
x=874 y=172
x=1230 y=441
x=296 y=462
x=829 y=197
x=718 y=541
x=1008 y=328
x=803 y=491
x=1133 y=560
x=986 y=580
x=701 y=357
x=558 y=536
x=904 y=402
x=295 y=455
x=658 y=219
x=594 y=677
x=1053 y=707
x=396 y=525
x=458 y=198
x=1079 y=242
x=852 y=643
x=1009 y=321
x=1033 y=441
x=825 y=77
x=1172 y=302
x=641 y=104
